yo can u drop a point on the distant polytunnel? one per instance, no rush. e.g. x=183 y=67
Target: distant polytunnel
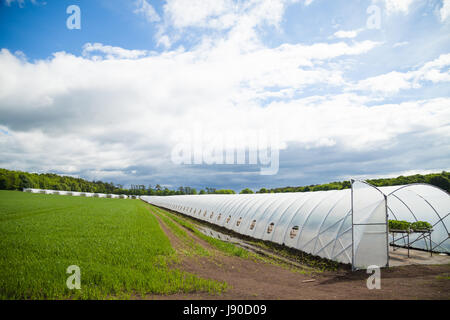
x=348 y=226
x=76 y=193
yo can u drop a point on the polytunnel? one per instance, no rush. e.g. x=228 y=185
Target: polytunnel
x=349 y=226
x=77 y=194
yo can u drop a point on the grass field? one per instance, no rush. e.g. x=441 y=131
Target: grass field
x=119 y=247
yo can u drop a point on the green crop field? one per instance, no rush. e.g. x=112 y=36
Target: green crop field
x=118 y=245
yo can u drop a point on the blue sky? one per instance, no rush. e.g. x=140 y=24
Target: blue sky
x=40 y=29
x=347 y=88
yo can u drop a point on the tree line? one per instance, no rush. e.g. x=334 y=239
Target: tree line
x=18 y=180
x=441 y=180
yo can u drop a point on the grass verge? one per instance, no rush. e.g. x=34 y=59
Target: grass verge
x=225 y=247
x=195 y=248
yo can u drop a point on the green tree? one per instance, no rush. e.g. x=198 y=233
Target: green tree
x=440 y=181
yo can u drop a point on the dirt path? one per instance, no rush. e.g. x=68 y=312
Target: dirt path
x=251 y=279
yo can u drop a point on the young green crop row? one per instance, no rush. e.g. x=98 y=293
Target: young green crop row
x=119 y=247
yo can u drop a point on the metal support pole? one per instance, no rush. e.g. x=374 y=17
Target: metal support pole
x=353 y=229
x=393 y=241
x=408 y=243
x=387 y=230
x=431 y=245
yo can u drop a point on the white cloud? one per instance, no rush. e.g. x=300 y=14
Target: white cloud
x=389 y=83
x=239 y=20
x=396 y=6
x=85 y=115
x=164 y=41
x=224 y=14
x=112 y=110
x=199 y=13
x=436 y=70
x=445 y=10
x=392 y=82
x=400 y=44
x=20 y=3
x=112 y=52
x=347 y=34
x=145 y=8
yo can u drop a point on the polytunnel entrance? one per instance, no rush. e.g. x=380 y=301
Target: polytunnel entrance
x=370 y=241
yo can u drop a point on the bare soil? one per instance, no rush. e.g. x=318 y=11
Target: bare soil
x=256 y=279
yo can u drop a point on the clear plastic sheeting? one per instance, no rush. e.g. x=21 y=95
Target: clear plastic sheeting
x=77 y=194
x=320 y=223
x=370 y=229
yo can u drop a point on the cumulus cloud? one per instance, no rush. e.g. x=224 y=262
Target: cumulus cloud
x=113 y=113
x=80 y=114
x=347 y=34
x=240 y=18
x=391 y=83
x=222 y=14
x=111 y=52
x=396 y=6
x=445 y=10
x=200 y=13
x=146 y=9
